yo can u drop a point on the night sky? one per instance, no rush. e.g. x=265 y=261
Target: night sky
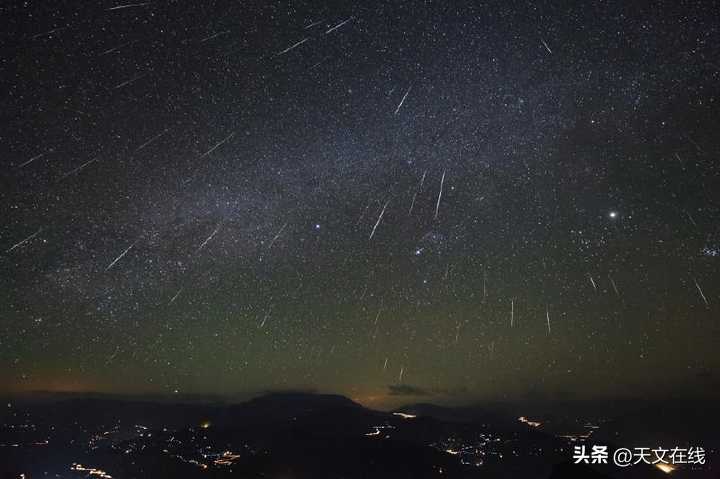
x=443 y=201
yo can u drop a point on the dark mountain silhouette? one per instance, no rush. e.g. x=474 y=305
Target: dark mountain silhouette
x=466 y=414
x=305 y=435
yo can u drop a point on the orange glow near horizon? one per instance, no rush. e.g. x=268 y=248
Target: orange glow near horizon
x=56 y=386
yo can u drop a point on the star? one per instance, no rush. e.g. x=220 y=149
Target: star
x=180 y=186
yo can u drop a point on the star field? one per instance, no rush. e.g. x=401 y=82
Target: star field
x=460 y=201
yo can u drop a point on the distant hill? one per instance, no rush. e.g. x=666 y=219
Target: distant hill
x=101 y=409
x=307 y=435
x=477 y=415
